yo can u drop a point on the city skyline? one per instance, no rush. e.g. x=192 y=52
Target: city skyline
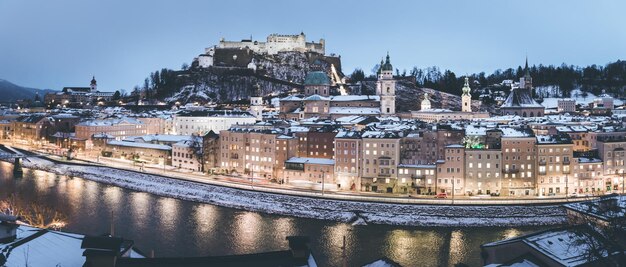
x=65 y=44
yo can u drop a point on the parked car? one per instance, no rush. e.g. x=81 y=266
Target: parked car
x=495 y=194
x=551 y=194
x=573 y=194
x=441 y=195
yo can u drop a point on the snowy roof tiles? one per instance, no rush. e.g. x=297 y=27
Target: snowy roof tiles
x=139 y=145
x=354 y=110
x=520 y=98
x=311 y=161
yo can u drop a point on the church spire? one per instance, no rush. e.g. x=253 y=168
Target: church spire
x=526 y=70
x=466 y=88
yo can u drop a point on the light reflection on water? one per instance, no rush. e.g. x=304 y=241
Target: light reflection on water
x=174 y=227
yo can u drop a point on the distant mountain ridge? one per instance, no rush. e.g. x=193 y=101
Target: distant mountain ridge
x=10 y=92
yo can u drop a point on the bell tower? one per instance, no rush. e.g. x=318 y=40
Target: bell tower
x=466 y=98
x=386 y=88
x=256 y=103
x=93 y=85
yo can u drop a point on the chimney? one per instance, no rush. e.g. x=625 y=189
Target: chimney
x=8 y=228
x=101 y=251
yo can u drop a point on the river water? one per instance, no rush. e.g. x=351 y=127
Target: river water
x=172 y=227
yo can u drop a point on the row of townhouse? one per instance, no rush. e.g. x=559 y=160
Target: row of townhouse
x=508 y=161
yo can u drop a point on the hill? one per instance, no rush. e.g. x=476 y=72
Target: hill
x=11 y=92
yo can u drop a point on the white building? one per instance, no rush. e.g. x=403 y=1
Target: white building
x=201 y=122
x=566 y=105
x=184 y=155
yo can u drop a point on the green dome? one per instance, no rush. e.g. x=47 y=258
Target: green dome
x=316 y=78
x=387 y=66
x=466 y=88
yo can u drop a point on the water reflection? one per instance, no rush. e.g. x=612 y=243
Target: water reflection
x=457 y=247
x=246 y=229
x=140 y=209
x=179 y=228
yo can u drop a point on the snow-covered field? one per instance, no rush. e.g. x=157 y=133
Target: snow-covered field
x=306 y=207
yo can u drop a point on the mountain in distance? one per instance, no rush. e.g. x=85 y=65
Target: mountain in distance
x=11 y=92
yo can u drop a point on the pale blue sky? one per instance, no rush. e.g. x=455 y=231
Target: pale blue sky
x=51 y=44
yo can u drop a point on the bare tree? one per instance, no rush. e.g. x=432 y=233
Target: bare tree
x=603 y=240
x=34 y=214
x=196 y=145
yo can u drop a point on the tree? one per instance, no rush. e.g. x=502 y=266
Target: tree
x=33 y=213
x=196 y=144
x=185 y=66
x=117 y=95
x=357 y=75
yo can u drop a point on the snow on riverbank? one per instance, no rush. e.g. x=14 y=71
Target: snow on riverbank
x=344 y=211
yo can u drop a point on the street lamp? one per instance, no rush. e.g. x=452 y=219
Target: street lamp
x=323 y=179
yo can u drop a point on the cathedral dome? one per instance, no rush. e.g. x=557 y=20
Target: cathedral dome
x=316 y=78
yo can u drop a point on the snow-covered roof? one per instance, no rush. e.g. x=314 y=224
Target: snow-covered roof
x=380 y=134
x=565 y=246
x=167 y=138
x=513 y=132
x=340 y=98
x=139 y=145
x=520 y=97
x=316 y=98
x=311 y=161
x=588 y=160
x=291 y=98
x=354 y=110
x=348 y=134
x=40 y=247
x=110 y=122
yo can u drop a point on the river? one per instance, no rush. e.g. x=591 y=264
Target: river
x=172 y=227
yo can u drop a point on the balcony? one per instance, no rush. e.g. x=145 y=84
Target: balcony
x=566 y=171
x=566 y=162
x=543 y=163
x=418 y=176
x=510 y=171
x=384 y=175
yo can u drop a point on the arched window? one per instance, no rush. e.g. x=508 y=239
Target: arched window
x=532 y=114
x=524 y=114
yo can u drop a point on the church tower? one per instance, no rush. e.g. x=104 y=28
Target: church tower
x=386 y=89
x=256 y=103
x=93 y=85
x=425 y=103
x=526 y=82
x=466 y=97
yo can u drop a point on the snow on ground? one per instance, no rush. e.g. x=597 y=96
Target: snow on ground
x=306 y=207
x=552 y=102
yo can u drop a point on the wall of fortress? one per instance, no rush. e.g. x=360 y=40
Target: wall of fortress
x=277 y=43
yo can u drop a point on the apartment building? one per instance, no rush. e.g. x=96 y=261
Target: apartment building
x=554 y=160
x=381 y=156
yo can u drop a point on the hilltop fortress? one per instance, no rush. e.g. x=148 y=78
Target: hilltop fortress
x=275 y=43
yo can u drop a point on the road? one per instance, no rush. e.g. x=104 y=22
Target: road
x=262 y=185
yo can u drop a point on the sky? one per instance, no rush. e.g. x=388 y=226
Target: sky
x=52 y=44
